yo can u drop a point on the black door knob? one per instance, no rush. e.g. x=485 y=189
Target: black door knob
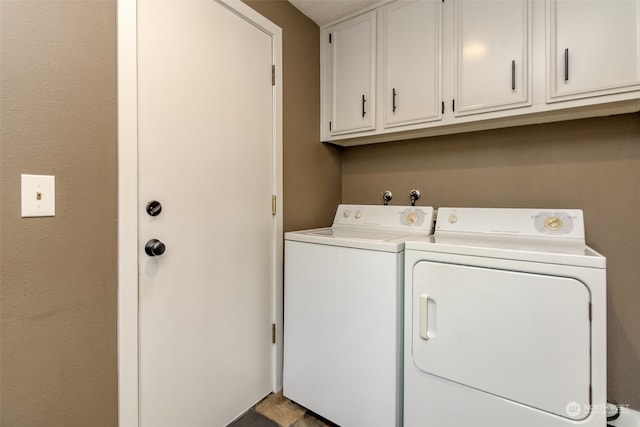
x=154 y=247
x=154 y=208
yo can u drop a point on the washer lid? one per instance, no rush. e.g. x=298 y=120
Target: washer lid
x=353 y=237
x=352 y=233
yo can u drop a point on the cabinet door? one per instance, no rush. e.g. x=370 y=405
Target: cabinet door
x=353 y=54
x=412 y=50
x=492 y=55
x=594 y=47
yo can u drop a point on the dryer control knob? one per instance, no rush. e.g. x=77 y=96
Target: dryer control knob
x=453 y=218
x=358 y=214
x=346 y=214
x=412 y=217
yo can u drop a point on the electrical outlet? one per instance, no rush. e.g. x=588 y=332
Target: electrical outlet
x=38 y=195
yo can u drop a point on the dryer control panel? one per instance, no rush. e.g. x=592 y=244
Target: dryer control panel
x=555 y=223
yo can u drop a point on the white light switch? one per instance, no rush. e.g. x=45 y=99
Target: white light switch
x=38 y=195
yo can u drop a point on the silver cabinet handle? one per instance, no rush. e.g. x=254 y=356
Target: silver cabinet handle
x=566 y=65
x=363 y=110
x=513 y=75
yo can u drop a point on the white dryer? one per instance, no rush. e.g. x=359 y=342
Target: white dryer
x=343 y=313
x=505 y=322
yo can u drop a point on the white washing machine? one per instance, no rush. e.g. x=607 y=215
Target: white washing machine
x=505 y=322
x=343 y=313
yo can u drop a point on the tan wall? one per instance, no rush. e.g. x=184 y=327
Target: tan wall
x=591 y=164
x=312 y=171
x=58 y=275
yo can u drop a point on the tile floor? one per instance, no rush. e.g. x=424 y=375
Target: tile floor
x=276 y=410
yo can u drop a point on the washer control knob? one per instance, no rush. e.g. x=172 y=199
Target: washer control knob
x=412 y=217
x=346 y=214
x=553 y=223
x=358 y=214
x=453 y=219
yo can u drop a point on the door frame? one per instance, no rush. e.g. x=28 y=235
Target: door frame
x=128 y=303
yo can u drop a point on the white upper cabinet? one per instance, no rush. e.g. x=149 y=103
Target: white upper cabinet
x=492 y=55
x=411 y=62
x=352 y=55
x=460 y=65
x=593 y=48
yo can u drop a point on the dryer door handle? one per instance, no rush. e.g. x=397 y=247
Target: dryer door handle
x=427 y=317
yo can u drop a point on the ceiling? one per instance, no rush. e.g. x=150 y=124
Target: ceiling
x=324 y=11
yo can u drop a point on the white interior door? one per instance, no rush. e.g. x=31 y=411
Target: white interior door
x=206 y=144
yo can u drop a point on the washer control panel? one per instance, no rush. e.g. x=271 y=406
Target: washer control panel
x=405 y=217
x=567 y=223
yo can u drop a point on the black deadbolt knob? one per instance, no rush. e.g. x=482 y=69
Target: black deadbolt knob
x=154 y=208
x=154 y=247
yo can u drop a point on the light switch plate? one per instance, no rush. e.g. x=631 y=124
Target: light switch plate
x=38 y=195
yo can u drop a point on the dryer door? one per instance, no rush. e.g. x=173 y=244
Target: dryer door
x=521 y=336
